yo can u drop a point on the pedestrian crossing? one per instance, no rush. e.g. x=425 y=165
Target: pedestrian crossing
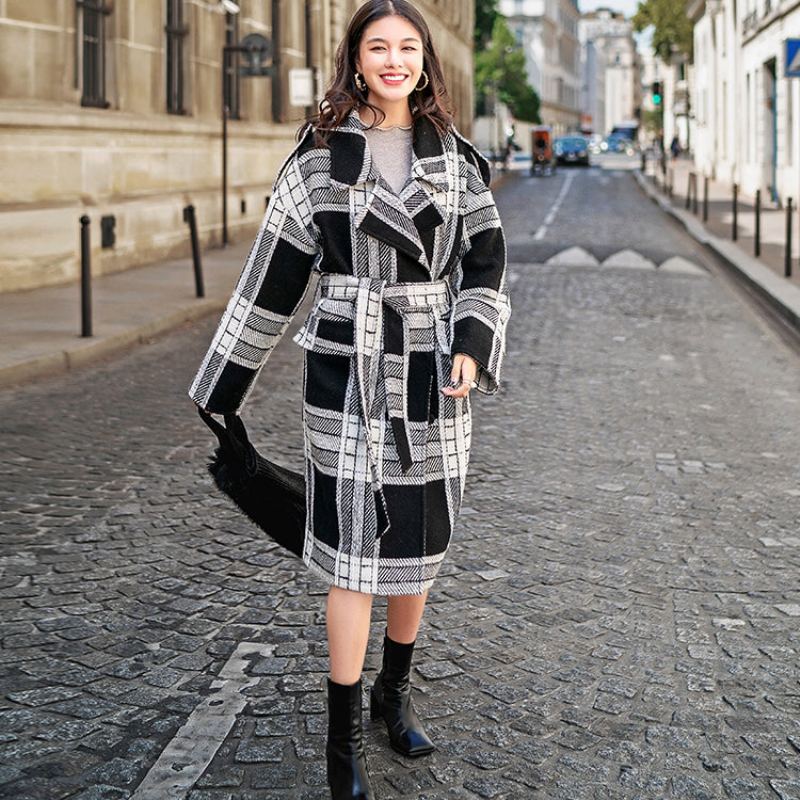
x=627 y=258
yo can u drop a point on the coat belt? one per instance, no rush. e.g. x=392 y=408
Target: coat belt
x=381 y=328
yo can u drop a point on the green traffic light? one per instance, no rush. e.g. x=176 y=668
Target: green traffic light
x=657 y=99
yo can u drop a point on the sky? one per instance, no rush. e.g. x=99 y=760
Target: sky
x=626 y=6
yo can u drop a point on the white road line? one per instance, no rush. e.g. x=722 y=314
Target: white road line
x=194 y=745
x=548 y=220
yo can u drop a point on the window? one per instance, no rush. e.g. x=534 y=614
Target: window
x=232 y=84
x=92 y=52
x=176 y=34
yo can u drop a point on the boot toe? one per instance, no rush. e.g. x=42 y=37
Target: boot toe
x=414 y=743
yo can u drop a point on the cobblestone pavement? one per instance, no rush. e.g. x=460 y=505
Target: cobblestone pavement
x=619 y=615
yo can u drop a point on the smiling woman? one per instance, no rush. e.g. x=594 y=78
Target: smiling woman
x=390 y=205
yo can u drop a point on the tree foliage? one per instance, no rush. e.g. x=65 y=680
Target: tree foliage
x=672 y=28
x=486 y=12
x=500 y=66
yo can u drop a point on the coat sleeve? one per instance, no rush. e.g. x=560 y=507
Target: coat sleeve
x=270 y=288
x=481 y=306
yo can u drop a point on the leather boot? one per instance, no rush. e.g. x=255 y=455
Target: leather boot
x=390 y=698
x=347 y=764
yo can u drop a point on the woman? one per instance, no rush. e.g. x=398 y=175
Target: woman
x=386 y=201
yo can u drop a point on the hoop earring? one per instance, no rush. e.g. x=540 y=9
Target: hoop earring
x=427 y=81
x=360 y=85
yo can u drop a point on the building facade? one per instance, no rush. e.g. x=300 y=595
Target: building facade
x=117 y=113
x=547 y=30
x=611 y=66
x=746 y=110
x=593 y=88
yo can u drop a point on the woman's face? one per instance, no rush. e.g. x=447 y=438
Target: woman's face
x=390 y=57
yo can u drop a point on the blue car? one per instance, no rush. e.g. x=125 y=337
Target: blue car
x=571 y=150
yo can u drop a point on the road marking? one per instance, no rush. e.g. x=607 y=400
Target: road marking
x=683 y=265
x=194 y=745
x=573 y=257
x=629 y=258
x=548 y=220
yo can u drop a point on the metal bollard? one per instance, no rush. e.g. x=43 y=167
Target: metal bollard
x=705 y=198
x=86 y=277
x=787 y=271
x=694 y=193
x=689 y=190
x=735 y=231
x=190 y=218
x=757 y=242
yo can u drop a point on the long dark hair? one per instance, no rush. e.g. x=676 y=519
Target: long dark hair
x=342 y=96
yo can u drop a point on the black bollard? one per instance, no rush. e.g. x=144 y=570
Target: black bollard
x=694 y=193
x=735 y=231
x=705 y=198
x=757 y=242
x=86 y=277
x=689 y=190
x=190 y=218
x=787 y=271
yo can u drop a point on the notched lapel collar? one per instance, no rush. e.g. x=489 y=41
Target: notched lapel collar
x=397 y=219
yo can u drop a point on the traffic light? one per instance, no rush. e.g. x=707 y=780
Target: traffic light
x=656 y=93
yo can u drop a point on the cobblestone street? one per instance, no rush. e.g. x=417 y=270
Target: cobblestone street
x=618 y=615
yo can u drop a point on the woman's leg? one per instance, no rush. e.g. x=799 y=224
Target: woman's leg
x=347 y=621
x=403 y=615
x=390 y=697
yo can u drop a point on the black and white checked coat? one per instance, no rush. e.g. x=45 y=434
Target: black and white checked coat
x=404 y=280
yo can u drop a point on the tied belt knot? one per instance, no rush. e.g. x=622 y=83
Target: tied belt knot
x=381 y=345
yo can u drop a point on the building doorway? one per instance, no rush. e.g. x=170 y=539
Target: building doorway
x=771 y=127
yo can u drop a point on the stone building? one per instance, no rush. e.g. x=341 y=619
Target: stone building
x=746 y=108
x=116 y=112
x=610 y=59
x=547 y=30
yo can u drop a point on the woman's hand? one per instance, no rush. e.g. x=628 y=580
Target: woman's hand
x=462 y=376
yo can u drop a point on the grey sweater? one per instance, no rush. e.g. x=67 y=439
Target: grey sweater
x=392 y=152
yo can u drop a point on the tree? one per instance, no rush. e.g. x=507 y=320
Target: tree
x=672 y=28
x=500 y=67
x=486 y=12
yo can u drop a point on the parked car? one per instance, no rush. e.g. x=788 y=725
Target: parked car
x=571 y=150
x=615 y=143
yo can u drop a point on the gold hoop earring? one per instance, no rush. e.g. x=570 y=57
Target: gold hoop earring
x=427 y=81
x=359 y=82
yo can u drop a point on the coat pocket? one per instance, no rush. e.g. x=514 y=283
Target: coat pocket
x=328 y=328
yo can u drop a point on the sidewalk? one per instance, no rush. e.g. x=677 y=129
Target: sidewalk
x=40 y=328
x=765 y=274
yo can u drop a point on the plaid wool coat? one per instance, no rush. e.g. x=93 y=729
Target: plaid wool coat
x=404 y=280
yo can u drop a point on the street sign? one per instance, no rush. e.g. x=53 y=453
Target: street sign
x=793 y=58
x=301 y=86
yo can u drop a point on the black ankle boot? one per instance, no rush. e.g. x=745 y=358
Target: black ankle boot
x=347 y=764
x=390 y=698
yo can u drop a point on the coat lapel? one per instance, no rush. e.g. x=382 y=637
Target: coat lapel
x=397 y=219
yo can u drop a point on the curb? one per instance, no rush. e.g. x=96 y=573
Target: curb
x=782 y=296
x=83 y=353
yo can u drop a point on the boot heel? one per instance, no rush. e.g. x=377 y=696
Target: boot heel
x=375 y=710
